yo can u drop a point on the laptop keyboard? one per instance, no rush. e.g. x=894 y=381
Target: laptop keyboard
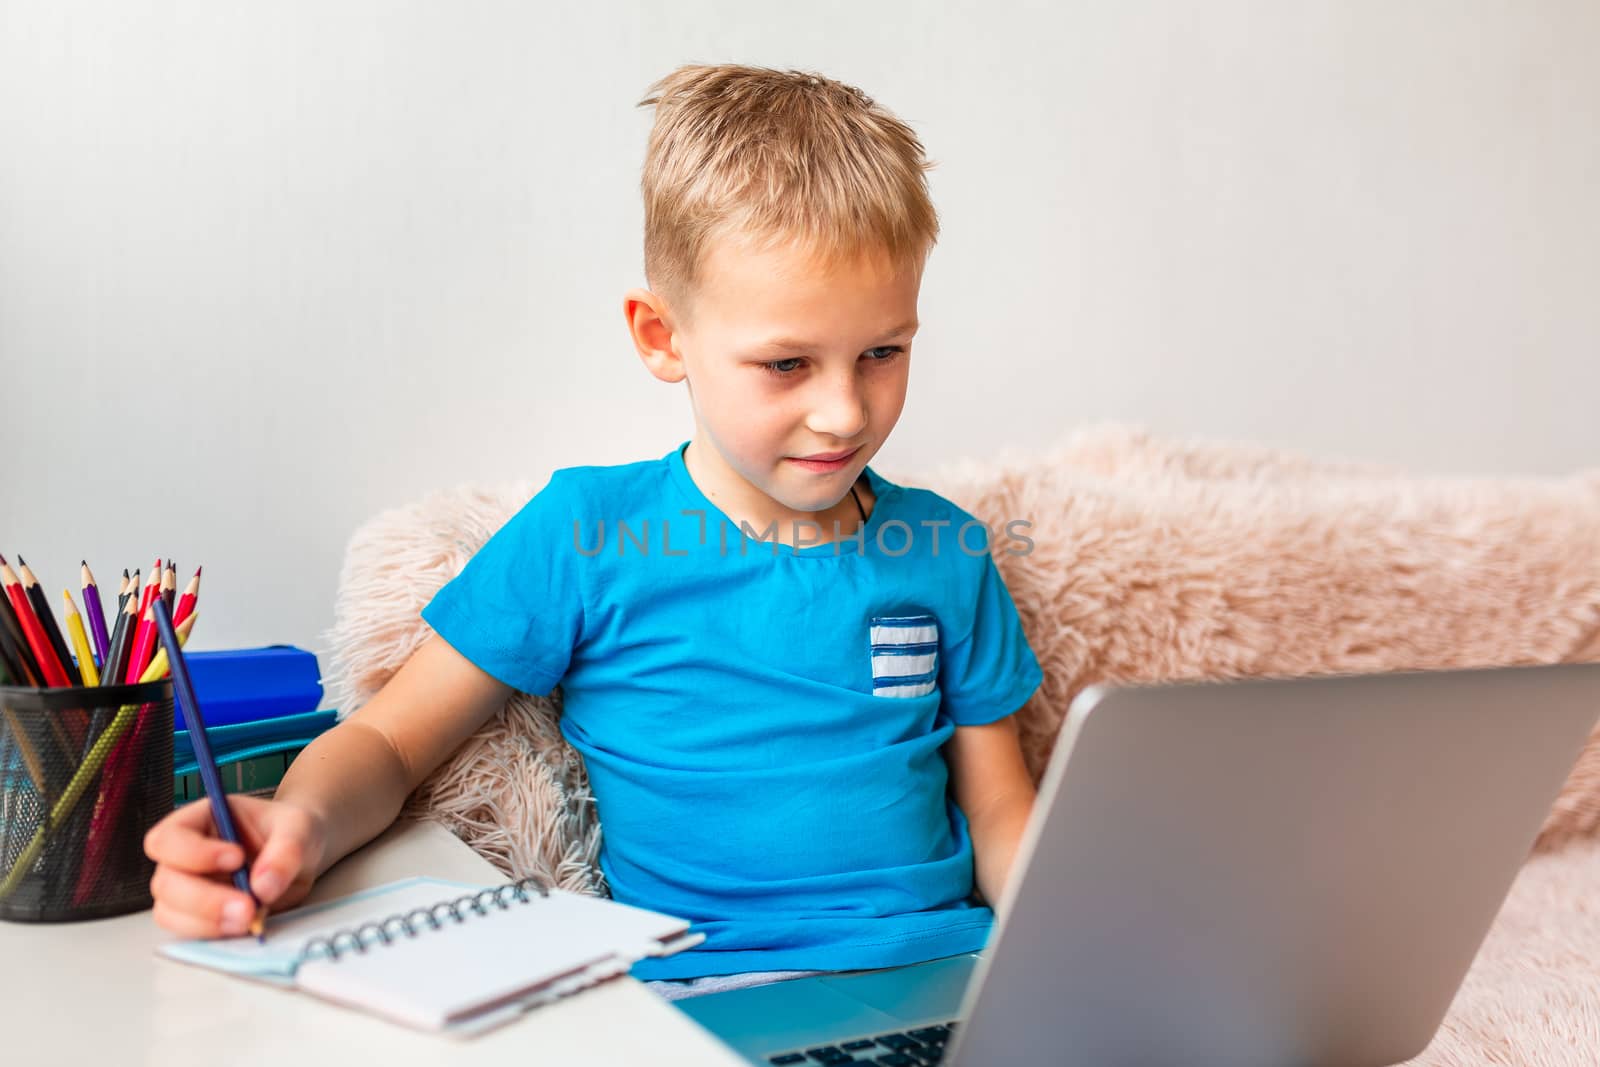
x=900 y=1048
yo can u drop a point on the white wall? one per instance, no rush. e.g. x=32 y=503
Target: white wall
x=334 y=255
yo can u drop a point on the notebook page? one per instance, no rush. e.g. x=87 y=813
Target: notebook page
x=274 y=961
x=483 y=961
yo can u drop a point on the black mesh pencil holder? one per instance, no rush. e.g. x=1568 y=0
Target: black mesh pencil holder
x=84 y=773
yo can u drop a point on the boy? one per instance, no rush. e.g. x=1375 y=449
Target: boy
x=791 y=680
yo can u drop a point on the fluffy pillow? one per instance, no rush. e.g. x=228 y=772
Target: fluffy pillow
x=1154 y=560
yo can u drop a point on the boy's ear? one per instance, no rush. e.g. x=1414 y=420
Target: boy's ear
x=650 y=327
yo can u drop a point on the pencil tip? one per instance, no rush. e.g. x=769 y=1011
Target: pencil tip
x=20 y=561
x=197 y=571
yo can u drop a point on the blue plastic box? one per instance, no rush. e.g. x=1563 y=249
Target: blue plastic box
x=252 y=684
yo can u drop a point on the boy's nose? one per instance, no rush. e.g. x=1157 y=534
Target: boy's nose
x=839 y=411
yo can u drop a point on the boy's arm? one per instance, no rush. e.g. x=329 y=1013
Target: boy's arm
x=995 y=793
x=354 y=778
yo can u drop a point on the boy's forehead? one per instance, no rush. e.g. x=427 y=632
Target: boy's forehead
x=757 y=284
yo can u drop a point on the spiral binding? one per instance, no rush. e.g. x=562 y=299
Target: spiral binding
x=387 y=930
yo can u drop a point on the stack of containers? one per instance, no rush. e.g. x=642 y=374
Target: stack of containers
x=263 y=706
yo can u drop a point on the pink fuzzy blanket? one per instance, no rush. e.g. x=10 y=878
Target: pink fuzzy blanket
x=1154 y=560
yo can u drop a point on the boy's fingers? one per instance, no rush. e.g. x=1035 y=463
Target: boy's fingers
x=182 y=923
x=216 y=907
x=178 y=841
x=246 y=810
x=278 y=864
x=276 y=837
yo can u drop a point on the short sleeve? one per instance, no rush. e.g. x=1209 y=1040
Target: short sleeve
x=516 y=609
x=992 y=671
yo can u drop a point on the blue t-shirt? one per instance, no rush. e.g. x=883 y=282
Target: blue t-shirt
x=761 y=723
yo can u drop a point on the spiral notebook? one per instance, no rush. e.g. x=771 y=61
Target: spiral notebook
x=446 y=956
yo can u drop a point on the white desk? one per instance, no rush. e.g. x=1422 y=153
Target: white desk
x=96 y=992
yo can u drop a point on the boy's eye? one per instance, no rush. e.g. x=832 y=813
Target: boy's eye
x=785 y=368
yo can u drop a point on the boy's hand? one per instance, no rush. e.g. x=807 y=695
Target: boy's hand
x=193 y=882
x=341 y=792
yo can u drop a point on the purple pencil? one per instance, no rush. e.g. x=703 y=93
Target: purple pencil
x=97 y=614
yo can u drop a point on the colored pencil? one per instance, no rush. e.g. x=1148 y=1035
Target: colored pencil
x=133 y=585
x=80 y=641
x=144 y=634
x=86 y=772
x=70 y=726
x=69 y=859
x=124 y=651
x=9 y=661
x=24 y=668
x=96 y=612
x=14 y=649
x=144 y=642
x=152 y=586
x=47 y=619
x=49 y=667
x=169 y=586
x=195 y=721
x=122 y=590
x=191 y=595
x=121 y=638
x=116 y=663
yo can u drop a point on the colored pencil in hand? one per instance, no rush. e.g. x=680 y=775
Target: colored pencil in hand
x=196 y=723
x=96 y=612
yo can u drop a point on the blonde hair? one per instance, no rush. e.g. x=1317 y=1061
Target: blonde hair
x=776 y=157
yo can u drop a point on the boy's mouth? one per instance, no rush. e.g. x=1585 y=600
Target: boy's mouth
x=825 y=461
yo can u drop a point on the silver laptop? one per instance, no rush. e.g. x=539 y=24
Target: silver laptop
x=1266 y=871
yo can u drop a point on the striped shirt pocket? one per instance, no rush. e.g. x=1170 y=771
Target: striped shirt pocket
x=905 y=655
